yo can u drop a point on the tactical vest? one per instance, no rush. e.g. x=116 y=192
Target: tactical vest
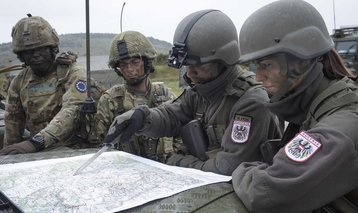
x=342 y=94
x=218 y=123
x=345 y=96
x=142 y=145
x=158 y=95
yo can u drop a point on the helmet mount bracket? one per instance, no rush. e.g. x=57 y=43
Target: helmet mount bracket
x=178 y=55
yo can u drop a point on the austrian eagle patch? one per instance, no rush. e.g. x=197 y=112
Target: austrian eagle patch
x=302 y=147
x=241 y=129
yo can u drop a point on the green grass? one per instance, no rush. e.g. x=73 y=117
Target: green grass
x=169 y=76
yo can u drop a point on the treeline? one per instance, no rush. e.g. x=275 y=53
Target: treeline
x=99 y=44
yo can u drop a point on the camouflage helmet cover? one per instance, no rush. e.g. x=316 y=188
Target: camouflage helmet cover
x=130 y=44
x=33 y=32
x=285 y=26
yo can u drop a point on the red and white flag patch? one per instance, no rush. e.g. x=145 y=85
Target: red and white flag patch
x=302 y=147
x=241 y=129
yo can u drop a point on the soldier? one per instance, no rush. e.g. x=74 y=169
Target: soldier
x=312 y=90
x=45 y=95
x=222 y=113
x=131 y=56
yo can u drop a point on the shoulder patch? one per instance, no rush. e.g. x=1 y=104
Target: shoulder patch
x=302 y=147
x=241 y=129
x=81 y=86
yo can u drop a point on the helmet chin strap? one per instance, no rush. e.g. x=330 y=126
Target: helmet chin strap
x=138 y=80
x=188 y=80
x=132 y=82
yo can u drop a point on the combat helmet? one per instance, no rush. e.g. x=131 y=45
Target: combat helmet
x=285 y=26
x=130 y=44
x=33 y=32
x=202 y=37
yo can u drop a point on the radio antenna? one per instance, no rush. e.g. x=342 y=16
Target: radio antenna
x=334 y=14
x=122 y=14
x=89 y=104
x=88 y=107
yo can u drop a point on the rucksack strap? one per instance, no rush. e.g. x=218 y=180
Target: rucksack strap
x=346 y=94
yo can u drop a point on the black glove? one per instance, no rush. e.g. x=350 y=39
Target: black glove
x=175 y=159
x=124 y=126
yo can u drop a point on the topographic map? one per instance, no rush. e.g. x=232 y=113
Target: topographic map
x=114 y=181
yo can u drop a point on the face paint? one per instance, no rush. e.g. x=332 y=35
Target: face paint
x=40 y=60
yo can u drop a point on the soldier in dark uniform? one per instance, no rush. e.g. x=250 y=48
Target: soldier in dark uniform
x=225 y=101
x=44 y=97
x=316 y=167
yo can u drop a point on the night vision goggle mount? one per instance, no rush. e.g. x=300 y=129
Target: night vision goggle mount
x=178 y=55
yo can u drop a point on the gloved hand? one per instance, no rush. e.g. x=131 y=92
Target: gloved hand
x=188 y=161
x=18 y=148
x=125 y=125
x=175 y=159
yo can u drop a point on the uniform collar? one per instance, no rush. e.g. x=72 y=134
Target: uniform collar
x=35 y=78
x=131 y=89
x=294 y=106
x=214 y=89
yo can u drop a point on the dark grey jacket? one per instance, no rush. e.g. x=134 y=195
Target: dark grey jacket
x=249 y=98
x=316 y=166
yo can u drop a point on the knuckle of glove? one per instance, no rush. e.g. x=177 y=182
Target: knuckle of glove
x=175 y=159
x=112 y=129
x=138 y=119
x=123 y=117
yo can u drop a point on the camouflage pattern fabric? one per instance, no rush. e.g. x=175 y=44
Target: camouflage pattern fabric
x=44 y=105
x=5 y=80
x=137 y=45
x=120 y=99
x=33 y=32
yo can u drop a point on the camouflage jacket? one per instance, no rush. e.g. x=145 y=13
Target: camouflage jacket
x=120 y=99
x=45 y=105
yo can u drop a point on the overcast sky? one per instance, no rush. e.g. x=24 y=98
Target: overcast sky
x=156 y=18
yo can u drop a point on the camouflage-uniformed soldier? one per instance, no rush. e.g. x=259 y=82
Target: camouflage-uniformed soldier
x=45 y=95
x=131 y=56
x=222 y=114
x=312 y=90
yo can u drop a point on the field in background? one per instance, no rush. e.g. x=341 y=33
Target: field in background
x=163 y=73
x=169 y=76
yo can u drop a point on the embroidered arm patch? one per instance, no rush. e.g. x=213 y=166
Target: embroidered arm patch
x=241 y=129
x=302 y=147
x=81 y=86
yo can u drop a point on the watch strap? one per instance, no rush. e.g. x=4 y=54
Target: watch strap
x=38 y=141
